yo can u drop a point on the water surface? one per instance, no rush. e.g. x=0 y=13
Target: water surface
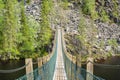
x=12 y=64
x=109 y=73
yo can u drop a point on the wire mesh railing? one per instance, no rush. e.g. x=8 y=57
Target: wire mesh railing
x=43 y=73
x=46 y=71
x=73 y=71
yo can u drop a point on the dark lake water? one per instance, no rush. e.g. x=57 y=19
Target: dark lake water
x=109 y=73
x=12 y=64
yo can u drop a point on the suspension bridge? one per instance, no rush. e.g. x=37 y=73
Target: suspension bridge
x=60 y=66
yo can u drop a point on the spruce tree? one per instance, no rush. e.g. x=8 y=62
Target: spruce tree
x=1 y=25
x=26 y=46
x=45 y=34
x=8 y=34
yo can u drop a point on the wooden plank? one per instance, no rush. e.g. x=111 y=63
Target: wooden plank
x=29 y=69
x=39 y=62
x=39 y=65
x=90 y=69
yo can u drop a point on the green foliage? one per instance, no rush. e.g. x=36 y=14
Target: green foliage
x=104 y=16
x=8 y=30
x=82 y=30
x=28 y=1
x=115 y=10
x=34 y=29
x=109 y=54
x=45 y=33
x=27 y=41
x=87 y=34
x=21 y=35
x=89 y=8
x=113 y=42
x=33 y=37
x=64 y=4
x=1 y=20
x=1 y=4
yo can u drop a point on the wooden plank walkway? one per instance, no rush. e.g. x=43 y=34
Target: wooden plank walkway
x=59 y=73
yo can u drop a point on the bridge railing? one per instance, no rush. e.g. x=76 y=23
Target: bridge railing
x=73 y=70
x=45 y=71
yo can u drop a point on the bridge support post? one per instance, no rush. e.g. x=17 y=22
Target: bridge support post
x=39 y=62
x=29 y=69
x=39 y=65
x=44 y=60
x=78 y=60
x=72 y=76
x=89 y=69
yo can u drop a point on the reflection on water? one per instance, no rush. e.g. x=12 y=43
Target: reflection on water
x=12 y=64
x=109 y=73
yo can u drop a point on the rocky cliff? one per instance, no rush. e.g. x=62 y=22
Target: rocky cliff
x=111 y=7
x=106 y=30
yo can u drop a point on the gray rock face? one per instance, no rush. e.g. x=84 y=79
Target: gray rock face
x=107 y=31
x=108 y=48
x=118 y=49
x=34 y=9
x=111 y=7
x=73 y=18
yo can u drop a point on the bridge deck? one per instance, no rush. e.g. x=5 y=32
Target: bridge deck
x=59 y=73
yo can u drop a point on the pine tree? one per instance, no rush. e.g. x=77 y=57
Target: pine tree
x=45 y=34
x=27 y=44
x=1 y=24
x=8 y=41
